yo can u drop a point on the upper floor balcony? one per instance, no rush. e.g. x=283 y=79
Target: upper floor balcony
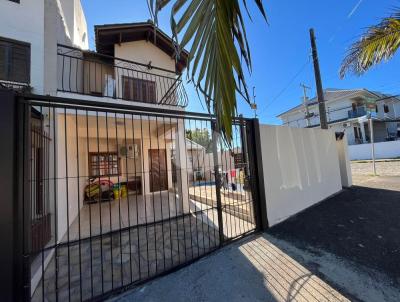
x=94 y=74
x=357 y=112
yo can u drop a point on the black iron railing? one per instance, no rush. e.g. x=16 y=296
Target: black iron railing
x=90 y=73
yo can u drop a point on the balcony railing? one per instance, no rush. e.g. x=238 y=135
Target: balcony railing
x=360 y=111
x=90 y=73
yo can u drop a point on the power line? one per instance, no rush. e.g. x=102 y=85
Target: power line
x=286 y=87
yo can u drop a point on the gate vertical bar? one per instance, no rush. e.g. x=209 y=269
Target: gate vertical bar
x=215 y=138
x=23 y=220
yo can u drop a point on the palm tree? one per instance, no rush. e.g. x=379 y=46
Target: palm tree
x=379 y=43
x=217 y=31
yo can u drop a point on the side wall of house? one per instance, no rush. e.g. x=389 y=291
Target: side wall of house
x=301 y=168
x=64 y=23
x=24 y=22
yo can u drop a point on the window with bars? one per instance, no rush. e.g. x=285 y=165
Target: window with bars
x=14 y=61
x=134 y=89
x=103 y=164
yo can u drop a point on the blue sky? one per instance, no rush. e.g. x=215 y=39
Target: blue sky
x=280 y=50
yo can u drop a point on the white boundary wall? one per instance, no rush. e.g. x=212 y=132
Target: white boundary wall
x=382 y=151
x=301 y=168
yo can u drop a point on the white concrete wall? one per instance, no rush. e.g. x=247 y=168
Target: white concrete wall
x=382 y=150
x=144 y=52
x=301 y=168
x=80 y=38
x=64 y=23
x=25 y=22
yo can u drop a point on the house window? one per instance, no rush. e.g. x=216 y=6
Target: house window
x=14 y=61
x=386 y=108
x=16 y=1
x=376 y=109
x=103 y=164
x=134 y=89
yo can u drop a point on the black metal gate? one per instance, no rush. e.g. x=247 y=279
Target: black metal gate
x=131 y=193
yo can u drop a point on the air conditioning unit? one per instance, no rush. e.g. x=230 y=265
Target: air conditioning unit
x=129 y=151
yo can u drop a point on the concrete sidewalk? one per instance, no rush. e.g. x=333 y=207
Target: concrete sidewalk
x=254 y=269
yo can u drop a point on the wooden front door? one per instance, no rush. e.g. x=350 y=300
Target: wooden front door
x=158 y=170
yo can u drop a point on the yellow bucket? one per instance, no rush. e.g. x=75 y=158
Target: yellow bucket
x=116 y=193
x=124 y=191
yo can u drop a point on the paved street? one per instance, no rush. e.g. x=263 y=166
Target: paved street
x=383 y=168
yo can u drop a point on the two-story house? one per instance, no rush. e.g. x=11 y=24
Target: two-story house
x=347 y=112
x=134 y=65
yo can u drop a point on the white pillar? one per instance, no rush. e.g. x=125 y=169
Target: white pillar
x=362 y=128
x=182 y=173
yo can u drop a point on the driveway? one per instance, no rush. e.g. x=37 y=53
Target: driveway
x=359 y=226
x=256 y=269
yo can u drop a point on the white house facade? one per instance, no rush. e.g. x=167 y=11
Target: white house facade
x=135 y=66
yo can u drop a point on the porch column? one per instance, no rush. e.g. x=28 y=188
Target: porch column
x=362 y=128
x=182 y=173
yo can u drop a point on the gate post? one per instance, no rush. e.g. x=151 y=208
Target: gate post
x=11 y=222
x=215 y=138
x=256 y=167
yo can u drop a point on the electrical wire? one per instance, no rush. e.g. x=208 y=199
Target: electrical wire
x=282 y=91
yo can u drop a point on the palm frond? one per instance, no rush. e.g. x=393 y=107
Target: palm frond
x=218 y=39
x=379 y=43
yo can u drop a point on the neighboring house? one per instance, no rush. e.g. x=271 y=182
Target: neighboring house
x=201 y=163
x=346 y=111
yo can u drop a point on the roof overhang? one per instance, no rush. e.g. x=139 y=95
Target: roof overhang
x=110 y=34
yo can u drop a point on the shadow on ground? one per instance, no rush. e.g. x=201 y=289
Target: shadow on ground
x=360 y=224
x=249 y=270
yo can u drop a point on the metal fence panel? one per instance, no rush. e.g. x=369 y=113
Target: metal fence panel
x=119 y=195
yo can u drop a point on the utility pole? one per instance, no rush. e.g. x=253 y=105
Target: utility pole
x=318 y=82
x=305 y=99
x=254 y=105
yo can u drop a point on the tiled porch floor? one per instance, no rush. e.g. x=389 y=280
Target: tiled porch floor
x=98 y=265
x=97 y=218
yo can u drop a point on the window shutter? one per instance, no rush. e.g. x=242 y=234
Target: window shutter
x=14 y=61
x=136 y=90
x=143 y=85
x=152 y=92
x=19 y=64
x=3 y=61
x=127 y=94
